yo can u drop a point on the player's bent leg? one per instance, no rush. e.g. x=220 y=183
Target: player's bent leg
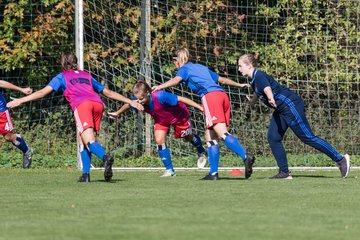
x=20 y=143
x=195 y=140
x=88 y=138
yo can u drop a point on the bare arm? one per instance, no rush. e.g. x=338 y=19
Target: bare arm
x=36 y=95
x=121 y=110
x=270 y=96
x=7 y=85
x=172 y=82
x=114 y=95
x=190 y=102
x=226 y=81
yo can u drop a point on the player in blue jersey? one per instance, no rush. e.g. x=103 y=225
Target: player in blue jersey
x=168 y=110
x=288 y=112
x=81 y=90
x=216 y=107
x=6 y=124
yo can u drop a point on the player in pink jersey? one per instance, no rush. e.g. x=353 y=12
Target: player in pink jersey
x=6 y=124
x=81 y=90
x=167 y=110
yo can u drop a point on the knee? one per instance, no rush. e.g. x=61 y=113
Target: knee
x=273 y=139
x=10 y=137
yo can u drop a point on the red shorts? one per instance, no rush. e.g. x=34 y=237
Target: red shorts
x=181 y=130
x=6 y=124
x=216 y=107
x=88 y=115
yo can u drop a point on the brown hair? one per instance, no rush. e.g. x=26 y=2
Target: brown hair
x=141 y=86
x=182 y=56
x=69 y=61
x=252 y=59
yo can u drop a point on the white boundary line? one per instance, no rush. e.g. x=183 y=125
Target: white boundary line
x=128 y=169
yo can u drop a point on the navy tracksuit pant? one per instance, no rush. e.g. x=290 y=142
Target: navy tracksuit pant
x=292 y=115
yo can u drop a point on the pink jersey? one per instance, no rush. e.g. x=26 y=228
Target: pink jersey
x=79 y=88
x=168 y=115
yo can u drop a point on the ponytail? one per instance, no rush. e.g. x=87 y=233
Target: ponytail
x=252 y=59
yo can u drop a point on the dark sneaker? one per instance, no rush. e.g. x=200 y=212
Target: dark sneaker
x=282 y=175
x=108 y=162
x=249 y=162
x=211 y=177
x=27 y=158
x=344 y=165
x=85 y=177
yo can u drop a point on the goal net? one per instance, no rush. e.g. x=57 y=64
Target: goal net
x=310 y=46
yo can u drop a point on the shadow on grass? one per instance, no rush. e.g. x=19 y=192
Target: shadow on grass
x=112 y=181
x=311 y=176
x=226 y=178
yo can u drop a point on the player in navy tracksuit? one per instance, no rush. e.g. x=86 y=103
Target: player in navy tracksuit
x=288 y=113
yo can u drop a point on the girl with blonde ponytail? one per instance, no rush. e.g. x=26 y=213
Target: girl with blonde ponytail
x=216 y=106
x=289 y=112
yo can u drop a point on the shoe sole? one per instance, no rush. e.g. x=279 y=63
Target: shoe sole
x=209 y=178
x=108 y=170
x=28 y=162
x=347 y=159
x=287 y=178
x=249 y=162
x=201 y=162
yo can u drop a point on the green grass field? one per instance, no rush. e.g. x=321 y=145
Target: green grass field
x=49 y=204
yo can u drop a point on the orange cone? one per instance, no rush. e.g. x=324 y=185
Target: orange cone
x=236 y=172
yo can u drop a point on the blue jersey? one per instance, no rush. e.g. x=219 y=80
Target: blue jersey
x=199 y=78
x=59 y=82
x=261 y=80
x=166 y=99
x=2 y=103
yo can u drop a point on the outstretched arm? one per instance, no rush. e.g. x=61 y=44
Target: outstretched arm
x=123 y=109
x=189 y=102
x=7 y=85
x=36 y=95
x=226 y=81
x=172 y=82
x=114 y=95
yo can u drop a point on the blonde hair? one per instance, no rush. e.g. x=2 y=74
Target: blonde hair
x=69 y=61
x=182 y=56
x=141 y=87
x=252 y=59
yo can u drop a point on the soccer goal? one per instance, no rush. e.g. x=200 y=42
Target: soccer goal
x=310 y=46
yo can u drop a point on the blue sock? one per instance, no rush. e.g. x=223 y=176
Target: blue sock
x=213 y=155
x=234 y=145
x=86 y=160
x=97 y=149
x=20 y=143
x=196 y=142
x=165 y=157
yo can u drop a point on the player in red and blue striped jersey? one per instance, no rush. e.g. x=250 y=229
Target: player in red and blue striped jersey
x=81 y=90
x=167 y=110
x=6 y=124
x=216 y=106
